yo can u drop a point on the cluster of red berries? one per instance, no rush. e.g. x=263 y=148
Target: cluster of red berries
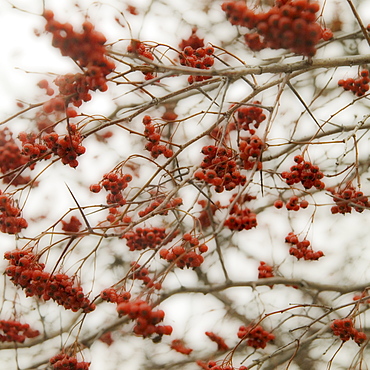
x=250 y=152
x=347 y=198
x=112 y=295
x=14 y=331
x=172 y=203
x=208 y=209
x=64 y=362
x=241 y=217
x=265 y=270
x=114 y=183
x=148 y=237
x=10 y=220
x=212 y=365
x=146 y=320
x=73 y=88
x=254 y=41
x=139 y=48
x=179 y=346
x=293 y=204
x=344 y=329
x=31 y=148
x=44 y=84
x=67 y=147
x=194 y=40
x=25 y=270
x=201 y=58
x=358 y=86
x=250 y=115
x=153 y=136
x=256 y=336
x=11 y=158
x=219 y=169
x=305 y=172
x=221 y=345
x=290 y=24
x=73 y=226
x=184 y=255
x=142 y=273
x=87 y=49
x=300 y=249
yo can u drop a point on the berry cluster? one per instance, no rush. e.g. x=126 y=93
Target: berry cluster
x=64 y=362
x=148 y=237
x=44 y=84
x=265 y=270
x=184 y=255
x=146 y=320
x=25 y=270
x=139 y=48
x=250 y=152
x=173 y=203
x=212 y=365
x=10 y=220
x=194 y=41
x=73 y=88
x=219 y=169
x=221 y=345
x=67 y=147
x=88 y=51
x=290 y=24
x=14 y=331
x=209 y=209
x=347 y=198
x=11 y=158
x=179 y=346
x=31 y=148
x=201 y=58
x=254 y=41
x=153 y=136
x=73 y=226
x=114 y=183
x=300 y=249
x=241 y=217
x=344 y=329
x=85 y=48
x=250 y=115
x=293 y=204
x=256 y=336
x=358 y=86
x=111 y=295
x=306 y=173
x=142 y=273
